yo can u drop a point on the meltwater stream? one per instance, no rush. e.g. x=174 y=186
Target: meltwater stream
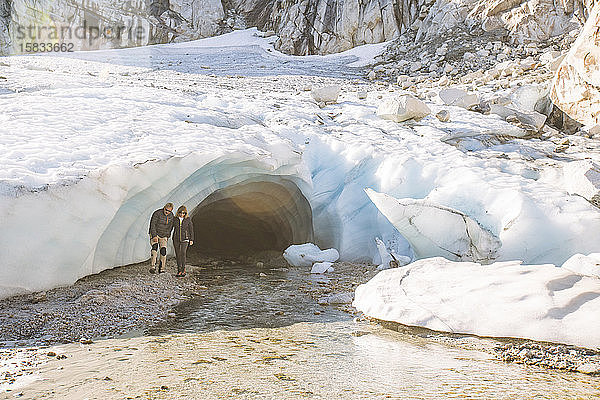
x=258 y=336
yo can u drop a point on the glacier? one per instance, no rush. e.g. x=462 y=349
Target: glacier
x=93 y=142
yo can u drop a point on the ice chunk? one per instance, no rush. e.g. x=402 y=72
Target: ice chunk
x=327 y=94
x=304 y=255
x=389 y=259
x=321 y=267
x=585 y=265
x=504 y=299
x=403 y=108
x=435 y=230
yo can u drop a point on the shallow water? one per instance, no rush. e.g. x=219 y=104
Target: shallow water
x=257 y=337
x=238 y=297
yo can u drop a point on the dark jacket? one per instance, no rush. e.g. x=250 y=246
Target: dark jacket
x=183 y=231
x=161 y=224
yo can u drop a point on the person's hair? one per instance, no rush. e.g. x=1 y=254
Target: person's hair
x=169 y=205
x=180 y=209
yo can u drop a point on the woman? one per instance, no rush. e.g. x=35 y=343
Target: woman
x=183 y=235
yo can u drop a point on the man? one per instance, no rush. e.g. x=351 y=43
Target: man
x=161 y=225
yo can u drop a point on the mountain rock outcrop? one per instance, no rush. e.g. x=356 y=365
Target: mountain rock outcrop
x=576 y=88
x=303 y=26
x=328 y=26
x=519 y=21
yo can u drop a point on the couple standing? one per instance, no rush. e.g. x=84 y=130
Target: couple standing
x=162 y=223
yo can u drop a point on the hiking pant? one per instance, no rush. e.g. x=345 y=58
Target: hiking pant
x=180 y=253
x=162 y=244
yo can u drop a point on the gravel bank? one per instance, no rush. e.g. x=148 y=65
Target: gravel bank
x=104 y=305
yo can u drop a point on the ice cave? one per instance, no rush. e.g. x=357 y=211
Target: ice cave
x=264 y=214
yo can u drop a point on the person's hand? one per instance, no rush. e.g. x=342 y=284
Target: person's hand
x=191 y=242
x=155 y=239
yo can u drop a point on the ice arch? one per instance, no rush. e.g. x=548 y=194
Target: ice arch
x=207 y=192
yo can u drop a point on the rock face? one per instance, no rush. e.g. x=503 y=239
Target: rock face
x=576 y=88
x=306 y=27
x=119 y=24
x=328 y=26
x=5 y=7
x=303 y=27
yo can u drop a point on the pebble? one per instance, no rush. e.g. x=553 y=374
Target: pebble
x=443 y=115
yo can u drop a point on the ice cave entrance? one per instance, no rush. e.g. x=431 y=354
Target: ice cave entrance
x=249 y=217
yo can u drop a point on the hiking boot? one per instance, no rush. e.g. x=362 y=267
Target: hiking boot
x=160 y=267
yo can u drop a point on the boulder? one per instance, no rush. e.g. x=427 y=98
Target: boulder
x=532 y=120
x=526 y=97
x=326 y=94
x=576 y=86
x=458 y=97
x=403 y=108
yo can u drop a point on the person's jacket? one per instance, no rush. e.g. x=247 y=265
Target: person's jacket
x=184 y=230
x=161 y=224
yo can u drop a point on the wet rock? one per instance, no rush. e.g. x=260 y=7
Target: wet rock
x=338 y=298
x=39 y=297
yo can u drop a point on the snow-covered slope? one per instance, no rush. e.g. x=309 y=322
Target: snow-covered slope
x=92 y=143
x=504 y=299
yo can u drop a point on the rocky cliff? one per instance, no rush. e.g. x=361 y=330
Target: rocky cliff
x=576 y=88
